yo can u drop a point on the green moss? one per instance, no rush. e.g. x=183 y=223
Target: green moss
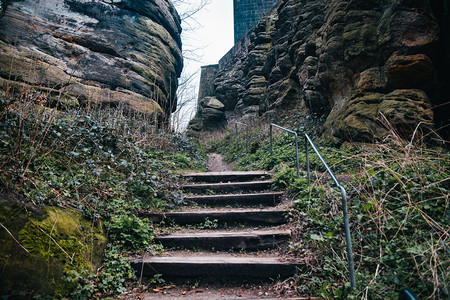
x=360 y=38
x=75 y=244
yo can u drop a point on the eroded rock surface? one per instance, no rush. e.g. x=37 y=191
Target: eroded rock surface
x=104 y=51
x=362 y=118
x=321 y=59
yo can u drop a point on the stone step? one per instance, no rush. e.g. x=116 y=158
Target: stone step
x=266 y=199
x=229 y=216
x=225 y=240
x=213 y=267
x=228 y=187
x=227 y=176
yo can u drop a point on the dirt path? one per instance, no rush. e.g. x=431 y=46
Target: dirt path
x=216 y=164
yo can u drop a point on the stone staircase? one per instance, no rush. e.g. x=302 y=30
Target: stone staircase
x=252 y=216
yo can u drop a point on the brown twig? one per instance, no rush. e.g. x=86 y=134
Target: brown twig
x=21 y=246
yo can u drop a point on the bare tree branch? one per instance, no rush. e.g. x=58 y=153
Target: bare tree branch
x=188 y=82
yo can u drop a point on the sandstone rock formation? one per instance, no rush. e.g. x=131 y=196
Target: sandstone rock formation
x=212 y=111
x=109 y=51
x=343 y=63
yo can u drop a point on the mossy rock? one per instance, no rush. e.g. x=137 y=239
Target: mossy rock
x=371 y=117
x=56 y=240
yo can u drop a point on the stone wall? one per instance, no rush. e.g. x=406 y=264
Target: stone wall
x=126 y=51
x=247 y=13
x=239 y=48
x=207 y=76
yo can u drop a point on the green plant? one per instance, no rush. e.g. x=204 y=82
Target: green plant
x=208 y=224
x=284 y=178
x=115 y=273
x=112 y=277
x=287 y=178
x=130 y=231
x=80 y=284
x=157 y=280
x=108 y=164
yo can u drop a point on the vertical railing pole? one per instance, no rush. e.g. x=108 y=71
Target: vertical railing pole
x=296 y=152
x=308 y=172
x=246 y=144
x=351 y=266
x=348 y=239
x=237 y=135
x=237 y=138
x=271 y=142
x=296 y=144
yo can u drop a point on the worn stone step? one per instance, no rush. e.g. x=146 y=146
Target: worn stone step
x=266 y=199
x=228 y=187
x=227 y=176
x=213 y=267
x=223 y=240
x=229 y=216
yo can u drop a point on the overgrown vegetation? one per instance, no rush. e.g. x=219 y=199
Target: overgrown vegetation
x=399 y=214
x=108 y=164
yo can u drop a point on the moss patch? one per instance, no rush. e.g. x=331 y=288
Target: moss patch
x=57 y=240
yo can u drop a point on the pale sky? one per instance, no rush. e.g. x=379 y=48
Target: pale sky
x=210 y=39
x=215 y=30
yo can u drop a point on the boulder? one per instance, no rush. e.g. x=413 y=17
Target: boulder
x=369 y=81
x=101 y=51
x=32 y=264
x=210 y=115
x=213 y=103
x=406 y=71
x=371 y=117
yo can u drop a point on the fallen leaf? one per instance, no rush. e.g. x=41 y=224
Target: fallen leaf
x=169 y=286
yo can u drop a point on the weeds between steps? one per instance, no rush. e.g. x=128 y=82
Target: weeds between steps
x=399 y=213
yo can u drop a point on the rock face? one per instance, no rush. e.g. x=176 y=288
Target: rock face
x=359 y=119
x=339 y=62
x=104 y=51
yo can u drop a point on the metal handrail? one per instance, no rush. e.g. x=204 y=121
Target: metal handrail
x=296 y=143
x=237 y=138
x=344 y=207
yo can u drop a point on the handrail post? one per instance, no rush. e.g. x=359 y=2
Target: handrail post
x=296 y=153
x=246 y=144
x=271 y=142
x=237 y=138
x=348 y=239
x=308 y=172
x=296 y=144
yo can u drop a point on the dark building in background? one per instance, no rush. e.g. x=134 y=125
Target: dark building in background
x=207 y=77
x=247 y=13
